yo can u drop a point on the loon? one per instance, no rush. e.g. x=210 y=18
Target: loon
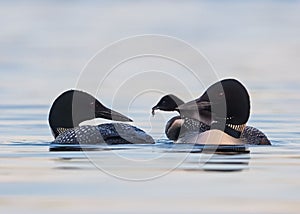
x=73 y=107
x=187 y=124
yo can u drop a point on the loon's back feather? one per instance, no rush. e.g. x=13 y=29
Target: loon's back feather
x=254 y=136
x=109 y=133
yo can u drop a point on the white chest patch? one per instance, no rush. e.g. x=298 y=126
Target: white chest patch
x=214 y=137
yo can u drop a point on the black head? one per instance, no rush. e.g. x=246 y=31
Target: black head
x=167 y=103
x=228 y=100
x=73 y=107
x=225 y=101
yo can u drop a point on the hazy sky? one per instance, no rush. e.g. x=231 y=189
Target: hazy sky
x=46 y=44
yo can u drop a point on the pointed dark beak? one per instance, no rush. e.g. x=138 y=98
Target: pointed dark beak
x=195 y=109
x=195 y=105
x=111 y=115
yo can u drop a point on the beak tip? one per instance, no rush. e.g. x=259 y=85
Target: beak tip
x=153 y=110
x=112 y=115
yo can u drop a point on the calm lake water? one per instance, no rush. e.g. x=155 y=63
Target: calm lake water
x=145 y=178
x=45 y=45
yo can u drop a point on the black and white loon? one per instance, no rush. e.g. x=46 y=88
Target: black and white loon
x=206 y=114
x=73 y=107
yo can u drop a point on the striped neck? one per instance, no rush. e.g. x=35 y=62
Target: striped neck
x=230 y=129
x=59 y=130
x=234 y=130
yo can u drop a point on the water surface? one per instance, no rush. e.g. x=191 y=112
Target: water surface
x=173 y=179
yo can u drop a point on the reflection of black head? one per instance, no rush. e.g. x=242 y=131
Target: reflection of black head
x=168 y=103
x=225 y=101
x=73 y=107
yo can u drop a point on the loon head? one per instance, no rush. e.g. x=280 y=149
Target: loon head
x=73 y=107
x=226 y=102
x=167 y=103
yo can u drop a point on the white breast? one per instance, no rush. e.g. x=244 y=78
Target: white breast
x=215 y=137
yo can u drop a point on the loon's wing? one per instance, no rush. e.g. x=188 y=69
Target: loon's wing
x=109 y=133
x=254 y=136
